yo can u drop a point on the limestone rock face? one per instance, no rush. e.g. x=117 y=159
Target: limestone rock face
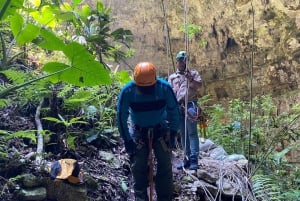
x=244 y=47
x=234 y=33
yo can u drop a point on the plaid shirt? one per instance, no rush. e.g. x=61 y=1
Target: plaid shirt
x=179 y=84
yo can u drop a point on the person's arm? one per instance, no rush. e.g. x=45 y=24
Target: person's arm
x=194 y=79
x=122 y=115
x=122 y=119
x=172 y=109
x=170 y=80
x=173 y=116
x=195 y=84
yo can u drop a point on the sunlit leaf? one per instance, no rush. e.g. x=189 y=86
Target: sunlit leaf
x=77 y=120
x=76 y=2
x=100 y=6
x=36 y=3
x=123 y=76
x=83 y=71
x=29 y=33
x=9 y=7
x=53 y=119
x=77 y=54
x=71 y=142
x=88 y=72
x=79 y=97
x=23 y=134
x=16 y=23
x=48 y=40
x=65 y=15
x=15 y=76
x=4 y=132
x=66 y=7
x=85 y=11
x=45 y=16
x=52 y=67
x=5 y=103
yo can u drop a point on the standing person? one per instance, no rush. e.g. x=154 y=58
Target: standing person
x=186 y=82
x=148 y=101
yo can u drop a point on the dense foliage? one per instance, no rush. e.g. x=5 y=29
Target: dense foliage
x=266 y=136
x=54 y=55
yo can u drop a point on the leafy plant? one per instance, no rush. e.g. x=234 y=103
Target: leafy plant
x=8 y=7
x=93 y=25
x=97 y=106
x=194 y=31
x=70 y=143
x=29 y=134
x=92 y=29
x=274 y=135
x=3 y=142
x=291 y=195
x=265 y=188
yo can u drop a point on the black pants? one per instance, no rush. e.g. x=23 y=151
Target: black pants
x=140 y=164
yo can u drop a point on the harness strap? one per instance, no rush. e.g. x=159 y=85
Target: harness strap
x=150 y=138
x=163 y=144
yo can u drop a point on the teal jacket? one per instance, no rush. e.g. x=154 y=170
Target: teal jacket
x=147 y=110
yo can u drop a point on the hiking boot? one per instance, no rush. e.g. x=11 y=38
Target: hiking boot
x=193 y=164
x=185 y=164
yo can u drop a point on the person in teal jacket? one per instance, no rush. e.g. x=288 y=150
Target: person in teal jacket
x=148 y=111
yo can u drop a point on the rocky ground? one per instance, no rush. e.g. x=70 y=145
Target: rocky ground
x=107 y=173
x=107 y=176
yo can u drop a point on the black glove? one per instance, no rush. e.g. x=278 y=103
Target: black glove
x=130 y=146
x=173 y=138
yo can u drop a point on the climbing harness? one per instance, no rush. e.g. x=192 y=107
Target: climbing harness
x=196 y=113
x=150 y=143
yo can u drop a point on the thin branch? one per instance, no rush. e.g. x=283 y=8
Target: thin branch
x=40 y=140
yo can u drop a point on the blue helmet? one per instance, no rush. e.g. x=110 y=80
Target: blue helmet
x=181 y=56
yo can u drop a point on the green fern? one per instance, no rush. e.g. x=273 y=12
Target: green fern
x=3 y=144
x=4 y=103
x=15 y=76
x=292 y=195
x=266 y=188
x=30 y=134
x=78 y=98
x=67 y=123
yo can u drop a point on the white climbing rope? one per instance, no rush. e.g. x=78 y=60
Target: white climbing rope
x=186 y=37
x=167 y=35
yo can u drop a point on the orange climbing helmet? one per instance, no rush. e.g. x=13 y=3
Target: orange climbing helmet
x=144 y=74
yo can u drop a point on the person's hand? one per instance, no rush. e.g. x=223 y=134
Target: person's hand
x=188 y=75
x=130 y=146
x=173 y=137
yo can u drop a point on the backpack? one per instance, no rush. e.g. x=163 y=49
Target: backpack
x=66 y=169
